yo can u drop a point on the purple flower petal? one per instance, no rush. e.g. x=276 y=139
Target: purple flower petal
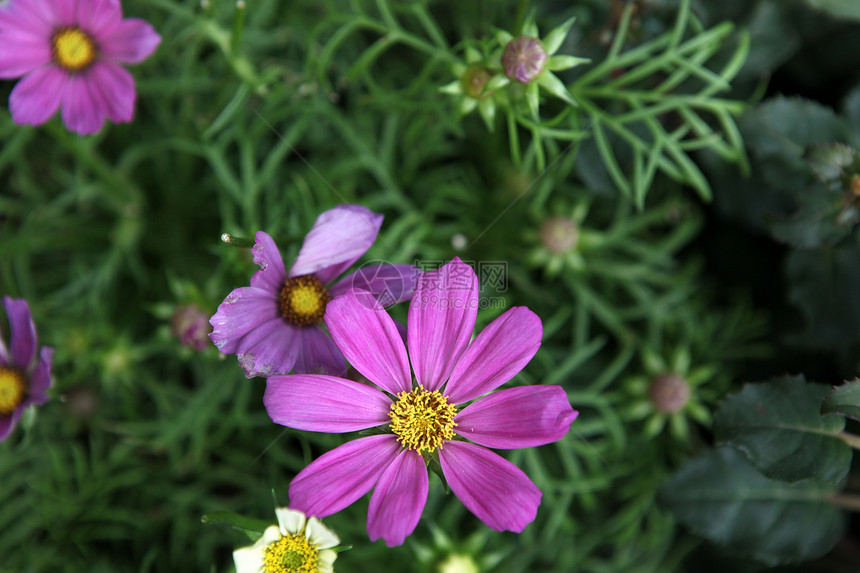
x=40 y=380
x=241 y=312
x=496 y=355
x=398 y=499
x=494 y=489
x=67 y=12
x=22 y=339
x=4 y=353
x=21 y=52
x=369 y=340
x=517 y=417
x=390 y=284
x=270 y=348
x=272 y=275
x=338 y=238
x=441 y=321
x=338 y=478
x=318 y=403
x=318 y=353
x=98 y=16
x=38 y=95
x=83 y=107
x=129 y=42
x=115 y=87
x=8 y=423
x=34 y=17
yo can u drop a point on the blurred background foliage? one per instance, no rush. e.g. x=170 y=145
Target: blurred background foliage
x=692 y=218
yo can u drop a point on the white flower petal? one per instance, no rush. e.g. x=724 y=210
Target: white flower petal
x=291 y=521
x=250 y=559
x=320 y=535
x=327 y=558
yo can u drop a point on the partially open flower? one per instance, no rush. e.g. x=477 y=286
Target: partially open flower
x=524 y=59
x=296 y=545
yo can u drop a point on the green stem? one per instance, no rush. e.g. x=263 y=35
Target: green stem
x=123 y=194
x=238 y=26
x=846 y=501
x=852 y=440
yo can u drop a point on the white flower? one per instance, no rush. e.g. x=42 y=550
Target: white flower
x=296 y=545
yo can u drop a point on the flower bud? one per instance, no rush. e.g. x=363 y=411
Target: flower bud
x=669 y=393
x=559 y=234
x=191 y=326
x=474 y=81
x=524 y=59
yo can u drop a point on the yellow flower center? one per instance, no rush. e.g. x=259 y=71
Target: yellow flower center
x=422 y=420
x=73 y=49
x=303 y=300
x=291 y=554
x=13 y=390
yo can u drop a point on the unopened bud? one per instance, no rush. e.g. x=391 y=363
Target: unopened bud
x=669 y=393
x=523 y=59
x=191 y=326
x=559 y=234
x=475 y=79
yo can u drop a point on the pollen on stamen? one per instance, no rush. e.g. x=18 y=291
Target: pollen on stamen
x=422 y=420
x=291 y=554
x=303 y=300
x=13 y=390
x=73 y=49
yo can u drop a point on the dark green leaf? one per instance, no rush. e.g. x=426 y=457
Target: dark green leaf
x=844 y=400
x=845 y=8
x=778 y=425
x=253 y=528
x=823 y=284
x=722 y=497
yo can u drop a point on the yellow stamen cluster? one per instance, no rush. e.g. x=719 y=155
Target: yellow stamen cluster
x=422 y=420
x=13 y=390
x=73 y=49
x=292 y=554
x=303 y=300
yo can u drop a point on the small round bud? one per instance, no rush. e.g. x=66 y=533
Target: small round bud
x=669 y=393
x=559 y=234
x=191 y=326
x=523 y=59
x=474 y=81
x=459 y=241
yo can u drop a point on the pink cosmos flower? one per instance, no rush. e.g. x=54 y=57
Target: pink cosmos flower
x=23 y=379
x=69 y=53
x=432 y=418
x=273 y=325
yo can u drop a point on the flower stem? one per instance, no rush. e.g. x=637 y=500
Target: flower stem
x=852 y=440
x=846 y=501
